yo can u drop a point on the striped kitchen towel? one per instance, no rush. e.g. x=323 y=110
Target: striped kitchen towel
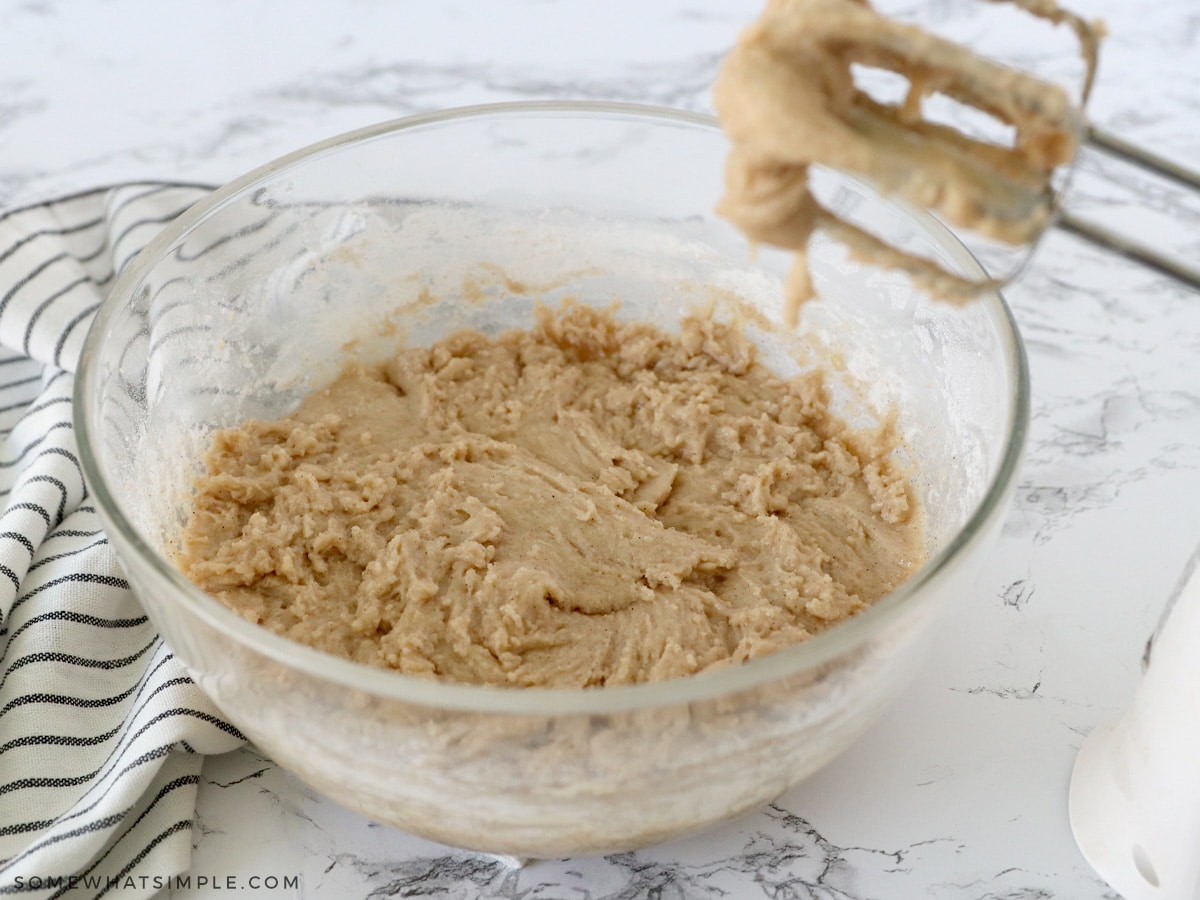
x=101 y=732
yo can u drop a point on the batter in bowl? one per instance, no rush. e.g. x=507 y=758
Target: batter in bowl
x=788 y=99
x=585 y=503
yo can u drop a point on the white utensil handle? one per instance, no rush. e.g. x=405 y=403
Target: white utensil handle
x=1135 y=790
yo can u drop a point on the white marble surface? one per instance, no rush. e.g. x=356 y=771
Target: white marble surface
x=960 y=791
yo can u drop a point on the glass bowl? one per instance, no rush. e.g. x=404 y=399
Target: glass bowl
x=411 y=229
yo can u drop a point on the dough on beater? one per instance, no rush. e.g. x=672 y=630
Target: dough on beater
x=787 y=98
x=589 y=502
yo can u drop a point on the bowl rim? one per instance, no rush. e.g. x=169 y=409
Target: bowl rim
x=817 y=650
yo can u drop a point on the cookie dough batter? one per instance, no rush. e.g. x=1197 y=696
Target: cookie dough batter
x=586 y=503
x=787 y=97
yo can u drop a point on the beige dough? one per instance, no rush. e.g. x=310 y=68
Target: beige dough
x=585 y=503
x=787 y=98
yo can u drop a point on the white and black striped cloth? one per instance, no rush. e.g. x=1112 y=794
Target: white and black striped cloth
x=101 y=732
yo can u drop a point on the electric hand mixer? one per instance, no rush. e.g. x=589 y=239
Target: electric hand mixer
x=788 y=99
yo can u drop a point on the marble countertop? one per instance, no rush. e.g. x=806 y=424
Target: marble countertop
x=960 y=790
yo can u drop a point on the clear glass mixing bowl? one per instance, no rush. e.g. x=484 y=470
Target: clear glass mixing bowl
x=408 y=230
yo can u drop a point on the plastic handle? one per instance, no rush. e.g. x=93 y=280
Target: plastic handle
x=1135 y=790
